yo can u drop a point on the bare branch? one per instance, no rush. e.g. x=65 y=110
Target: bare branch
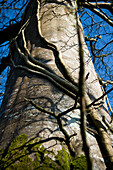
x=82 y=98
x=5 y=61
x=96 y=100
x=10 y=32
x=100 y=14
x=104 y=5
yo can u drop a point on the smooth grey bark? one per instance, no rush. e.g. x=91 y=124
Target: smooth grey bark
x=18 y=116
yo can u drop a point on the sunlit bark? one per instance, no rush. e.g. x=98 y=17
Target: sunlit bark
x=45 y=60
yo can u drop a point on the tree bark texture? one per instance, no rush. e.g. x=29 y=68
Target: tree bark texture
x=18 y=116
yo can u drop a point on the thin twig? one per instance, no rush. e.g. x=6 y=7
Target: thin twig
x=96 y=100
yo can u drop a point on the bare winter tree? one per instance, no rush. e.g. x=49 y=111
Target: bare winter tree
x=54 y=108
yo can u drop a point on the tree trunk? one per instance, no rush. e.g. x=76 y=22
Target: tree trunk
x=49 y=33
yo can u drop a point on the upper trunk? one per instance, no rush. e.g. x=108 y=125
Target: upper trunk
x=49 y=36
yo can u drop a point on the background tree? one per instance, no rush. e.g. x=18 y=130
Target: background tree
x=47 y=87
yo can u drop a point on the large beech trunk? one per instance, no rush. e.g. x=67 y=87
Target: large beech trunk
x=18 y=116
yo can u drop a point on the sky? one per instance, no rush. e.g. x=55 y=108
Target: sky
x=103 y=66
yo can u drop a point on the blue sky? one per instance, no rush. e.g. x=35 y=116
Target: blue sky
x=101 y=28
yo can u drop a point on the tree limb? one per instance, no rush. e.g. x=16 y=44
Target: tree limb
x=5 y=61
x=100 y=97
x=82 y=98
x=10 y=32
x=103 y=5
x=100 y=14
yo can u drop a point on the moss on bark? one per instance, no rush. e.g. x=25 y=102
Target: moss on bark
x=24 y=154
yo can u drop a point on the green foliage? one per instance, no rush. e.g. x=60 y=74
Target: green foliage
x=26 y=155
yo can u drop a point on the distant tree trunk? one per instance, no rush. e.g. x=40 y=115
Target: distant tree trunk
x=18 y=116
